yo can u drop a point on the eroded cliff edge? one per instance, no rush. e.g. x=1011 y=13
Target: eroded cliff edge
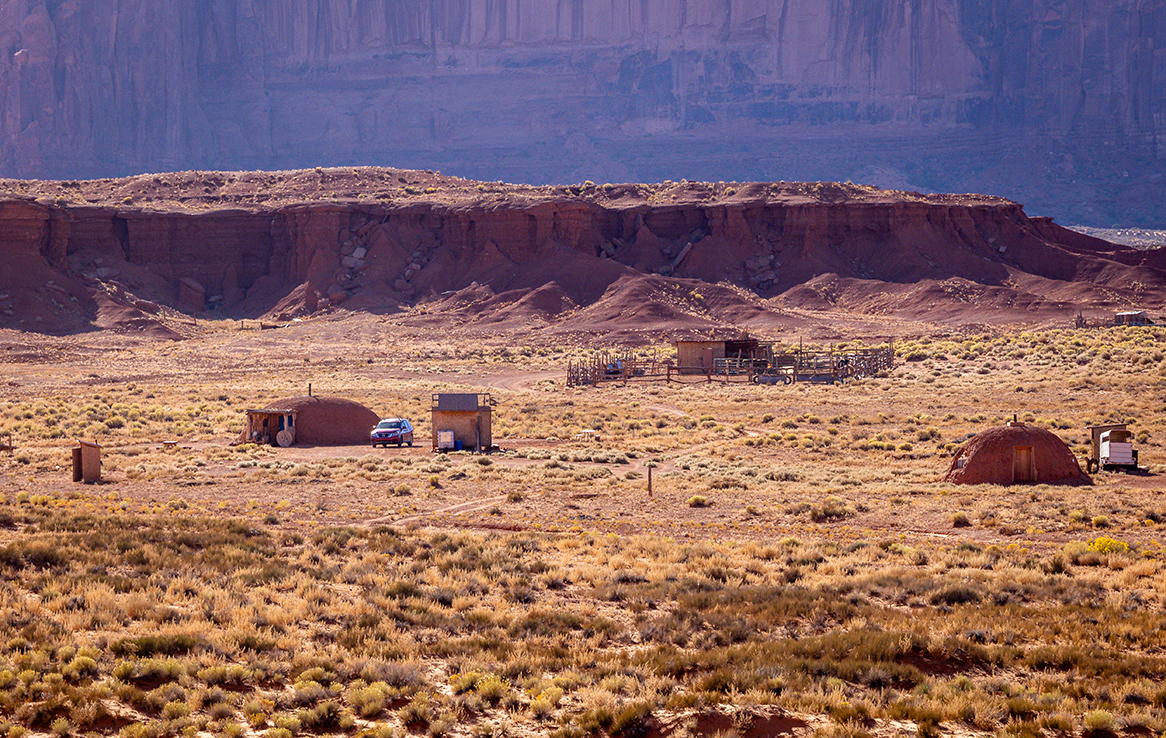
x=1055 y=103
x=592 y=258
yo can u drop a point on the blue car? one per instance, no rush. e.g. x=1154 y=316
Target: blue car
x=392 y=430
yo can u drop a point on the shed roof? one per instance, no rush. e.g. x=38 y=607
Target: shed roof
x=460 y=402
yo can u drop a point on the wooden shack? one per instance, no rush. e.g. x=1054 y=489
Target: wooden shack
x=468 y=416
x=271 y=427
x=722 y=356
x=696 y=357
x=1132 y=317
x=87 y=462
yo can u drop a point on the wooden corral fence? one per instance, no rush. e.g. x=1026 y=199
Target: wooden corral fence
x=258 y=325
x=837 y=365
x=620 y=367
x=801 y=365
x=1124 y=318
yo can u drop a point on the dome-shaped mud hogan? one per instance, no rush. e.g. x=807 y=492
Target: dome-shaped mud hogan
x=311 y=421
x=1014 y=454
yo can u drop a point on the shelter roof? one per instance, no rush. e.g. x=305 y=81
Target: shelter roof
x=460 y=402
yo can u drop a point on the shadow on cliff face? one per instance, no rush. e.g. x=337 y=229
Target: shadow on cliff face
x=619 y=261
x=35 y=296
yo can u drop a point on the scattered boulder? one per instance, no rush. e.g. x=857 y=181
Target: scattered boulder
x=191 y=295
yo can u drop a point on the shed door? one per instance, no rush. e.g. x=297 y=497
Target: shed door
x=1023 y=467
x=706 y=358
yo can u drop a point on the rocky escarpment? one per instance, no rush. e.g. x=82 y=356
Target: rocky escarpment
x=1051 y=102
x=391 y=241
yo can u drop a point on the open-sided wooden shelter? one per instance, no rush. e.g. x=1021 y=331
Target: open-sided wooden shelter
x=700 y=356
x=265 y=426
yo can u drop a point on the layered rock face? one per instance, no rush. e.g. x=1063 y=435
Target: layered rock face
x=510 y=254
x=1057 y=103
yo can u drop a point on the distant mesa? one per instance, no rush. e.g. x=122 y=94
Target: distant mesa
x=620 y=263
x=1014 y=454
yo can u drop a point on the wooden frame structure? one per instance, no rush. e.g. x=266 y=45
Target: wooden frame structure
x=754 y=362
x=1124 y=435
x=271 y=427
x=619 y=367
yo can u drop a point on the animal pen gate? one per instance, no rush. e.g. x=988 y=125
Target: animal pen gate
x=619 y=367
x=835 y=366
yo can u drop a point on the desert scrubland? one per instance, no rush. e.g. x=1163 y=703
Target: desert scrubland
x=799 y=566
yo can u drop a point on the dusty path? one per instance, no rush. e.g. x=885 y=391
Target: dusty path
x=461 y=507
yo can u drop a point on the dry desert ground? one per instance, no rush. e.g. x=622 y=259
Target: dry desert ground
x=798 y=568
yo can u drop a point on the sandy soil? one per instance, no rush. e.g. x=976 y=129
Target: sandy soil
x=516 y=487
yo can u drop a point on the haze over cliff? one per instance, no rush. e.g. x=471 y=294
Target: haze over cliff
x=1060 y=104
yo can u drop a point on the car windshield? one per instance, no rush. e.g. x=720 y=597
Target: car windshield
x=389 y=424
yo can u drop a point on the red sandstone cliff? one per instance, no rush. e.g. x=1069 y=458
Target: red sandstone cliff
x=588 y=258
x=1050 y=102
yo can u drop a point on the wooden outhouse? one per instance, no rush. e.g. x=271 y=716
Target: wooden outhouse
x=468 y=416
x=87 y=462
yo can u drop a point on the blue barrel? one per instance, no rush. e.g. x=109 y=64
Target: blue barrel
x=457 y=445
